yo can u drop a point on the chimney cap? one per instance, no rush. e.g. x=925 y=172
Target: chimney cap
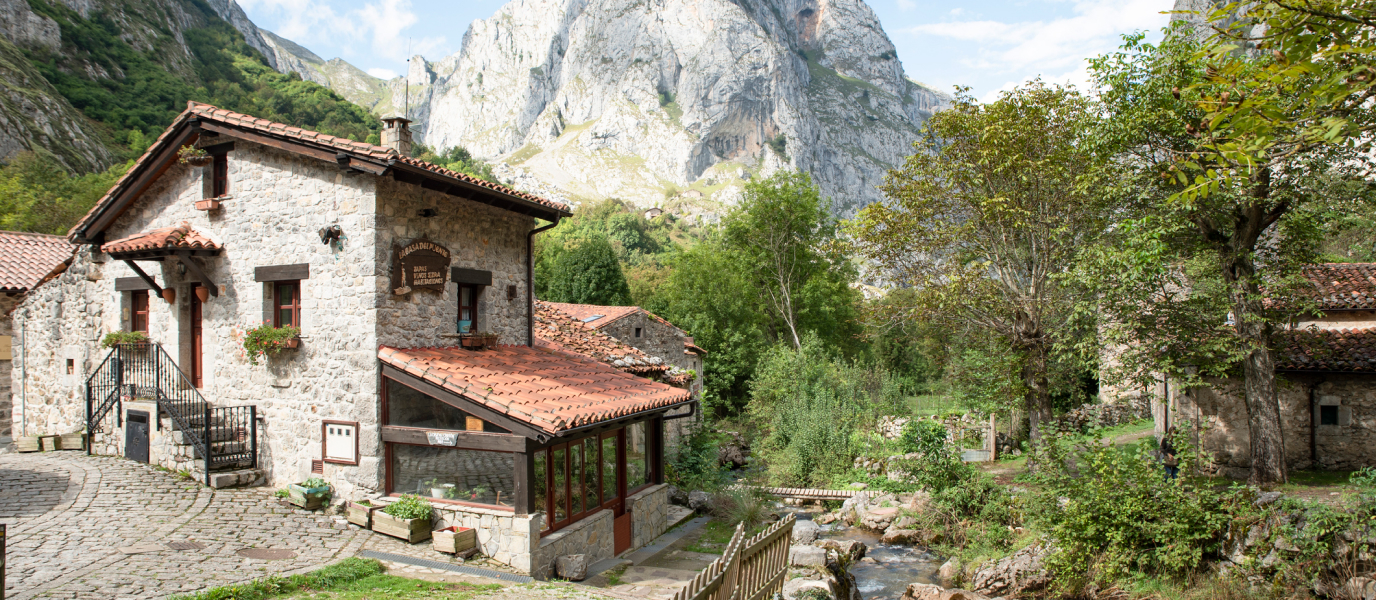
x=394 y=120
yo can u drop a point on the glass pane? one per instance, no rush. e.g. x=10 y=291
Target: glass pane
x=284 y=317
x=608 y=468
x=576 y=477
x=285 y=291
x=409 y=408
x=590 y=485
x=637 y=471
x=561 y=496
x=540 y=484
x=472 y=476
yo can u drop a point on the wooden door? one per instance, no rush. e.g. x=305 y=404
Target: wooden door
x=621 y=522
x=197 y=360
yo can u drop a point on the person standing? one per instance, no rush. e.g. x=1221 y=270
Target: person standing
x=1168 y=457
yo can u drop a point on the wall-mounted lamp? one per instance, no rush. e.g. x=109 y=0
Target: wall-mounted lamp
x=330 y=233
x=428 y=212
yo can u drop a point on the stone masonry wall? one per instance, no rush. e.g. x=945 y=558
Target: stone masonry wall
x=502 y=536
x=7 y=302
x=649 y=515
x=478 y=236
x=591 y=536
x=666 y=342
x=1346 y=446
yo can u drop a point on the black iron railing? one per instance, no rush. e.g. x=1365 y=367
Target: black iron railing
x=222 y=437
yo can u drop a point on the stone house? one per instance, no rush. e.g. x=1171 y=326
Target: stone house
x=25 y=259
x=648 y=332
x=1326 y=381
x=413 y=367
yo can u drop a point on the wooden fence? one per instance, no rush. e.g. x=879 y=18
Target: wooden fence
x=752 y=569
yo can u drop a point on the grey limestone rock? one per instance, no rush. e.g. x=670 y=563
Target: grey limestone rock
x=805 y=532
x=573 y=567
x=807 y=556
x=1024 y=571
x=699 y=500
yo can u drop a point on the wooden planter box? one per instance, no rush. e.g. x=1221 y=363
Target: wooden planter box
x=479 y=342
x=27 y=444
x=49 y=442
x=307 y=498
x=455 y=539
x=411 y=530
x=208 y=204
x=72 y=441
x=361 y=514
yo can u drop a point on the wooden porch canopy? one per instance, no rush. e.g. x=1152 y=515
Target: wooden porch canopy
x=179 y=242
x=537 y=393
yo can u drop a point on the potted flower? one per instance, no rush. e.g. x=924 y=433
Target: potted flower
x=266 y=340
x=407 y=518
x=439 y=490
x=119 y=338
x=310 y=494
x=455 y=539
x=360 y=512
x=196 y=157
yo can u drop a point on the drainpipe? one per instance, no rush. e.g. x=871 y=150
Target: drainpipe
x=530 y=281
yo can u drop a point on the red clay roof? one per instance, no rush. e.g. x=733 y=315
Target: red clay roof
x=176 y=237
x=552 y=391
x=382 y=154
x=25 y=258
x=560 y=331
x=1342 y=350
x=1344 y=286
x=598 y=317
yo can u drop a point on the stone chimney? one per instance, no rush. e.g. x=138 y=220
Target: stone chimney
x=397 y=135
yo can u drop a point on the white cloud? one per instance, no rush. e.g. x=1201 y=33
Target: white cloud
x=1056 y=48
x=906 y=5
x=382 y=73
x=381 y=24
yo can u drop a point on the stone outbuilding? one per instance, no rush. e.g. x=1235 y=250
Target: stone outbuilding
x=25 y=260
x=1326 y=383
x=318 y=306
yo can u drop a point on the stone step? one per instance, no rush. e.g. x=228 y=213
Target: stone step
x=233 y=478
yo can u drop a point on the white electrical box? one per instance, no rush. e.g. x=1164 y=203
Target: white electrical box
x=341 y=442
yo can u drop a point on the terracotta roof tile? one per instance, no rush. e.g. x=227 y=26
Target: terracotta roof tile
x=598 y=317
x=1343 y=350
x=1344 y=286
x=25 y=258
x=560 y=331
x=557 y=390
x=206 y=112
x=178 y=236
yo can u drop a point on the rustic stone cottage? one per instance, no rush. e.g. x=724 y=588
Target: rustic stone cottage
x=25 y=259
x=393 y=300
x=1326 y=376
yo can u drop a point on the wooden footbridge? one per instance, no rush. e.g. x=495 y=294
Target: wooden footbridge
x=802 y=493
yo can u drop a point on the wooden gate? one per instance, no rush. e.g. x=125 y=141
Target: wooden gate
x=752 y=569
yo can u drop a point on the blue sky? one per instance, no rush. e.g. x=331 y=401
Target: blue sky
x=988 y=45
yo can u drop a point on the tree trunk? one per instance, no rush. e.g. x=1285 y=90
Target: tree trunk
x=1037 y=398
x=1267 y=441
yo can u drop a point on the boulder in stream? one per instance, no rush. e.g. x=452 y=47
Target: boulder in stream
x=807 y=556
x=1024 y=571
x=805 y=532
x=849 y=551
x=894 y=535
x=879 y=519
x=927 y=591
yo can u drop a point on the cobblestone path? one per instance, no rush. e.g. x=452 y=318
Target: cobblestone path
x=98 y=527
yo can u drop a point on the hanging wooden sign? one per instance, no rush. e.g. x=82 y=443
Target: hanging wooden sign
x=420 y=265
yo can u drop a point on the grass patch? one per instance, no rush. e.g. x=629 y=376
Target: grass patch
x=1305 y=480
x=350 y=579
x=716 y=534
x=614 y=576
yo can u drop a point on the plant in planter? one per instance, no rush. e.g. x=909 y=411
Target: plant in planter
x=360 y=512
x=476 y=491
x=196 y=157
x=266 y=340
x=407 y=518
x=310 y=494
x=115 y=338
x=438 y=490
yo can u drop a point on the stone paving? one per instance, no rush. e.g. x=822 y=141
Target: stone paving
x=97 y=527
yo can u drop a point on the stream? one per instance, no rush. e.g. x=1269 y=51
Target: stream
x=894 y=566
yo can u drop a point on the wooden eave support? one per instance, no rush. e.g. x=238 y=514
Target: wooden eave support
x=144 y=276
x=185 y=257
x=294 y=146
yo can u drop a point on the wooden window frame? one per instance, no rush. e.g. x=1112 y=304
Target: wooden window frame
x=219 y=175
x=324 y=456
x=134 y=312
x=474 y=291
x=295 y=305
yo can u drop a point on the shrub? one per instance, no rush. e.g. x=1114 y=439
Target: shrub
x=410 y=506
x=938 y=465
x=1113 y=512
x=740 y=505
x=693 y=464
x=115 y=338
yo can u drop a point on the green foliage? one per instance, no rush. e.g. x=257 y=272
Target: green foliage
x=115 y=338
x=939 y=467
x=809 y=403
x=693 y=465
x=410 y=506
x=37 y=195
x=455 y=159
x=588 y=273
x=266 y=340
x=314 y=483
x=344 y=572
x=1113 y=512
x=738 y=505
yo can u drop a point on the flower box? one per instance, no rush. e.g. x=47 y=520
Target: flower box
x=49 y=442
x=208 y=204
x=479 y=341
x=454 y=539
x=27 y=444
x=361 y=513
x=411 y=530
x=311 y=498
x=72 y=441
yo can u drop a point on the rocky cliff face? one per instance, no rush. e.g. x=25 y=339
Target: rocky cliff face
x=668 y=102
